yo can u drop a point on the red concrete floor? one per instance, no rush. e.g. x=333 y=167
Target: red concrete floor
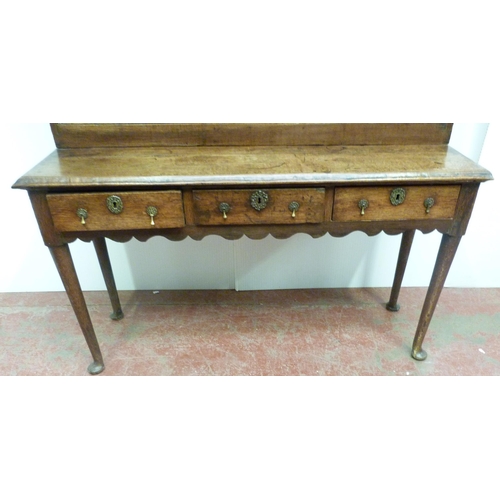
x=283 y=332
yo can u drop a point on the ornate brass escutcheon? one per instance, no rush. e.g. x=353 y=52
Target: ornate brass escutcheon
x=397 y=197
x=152 y=212
x=428 y=204
x=259 y=200
x=114 y=204
x=293 y=207
x=83 y=214
x=363 y=205
x=224 y=208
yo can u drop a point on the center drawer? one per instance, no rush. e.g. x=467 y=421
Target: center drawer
x=258 y=206
x=115 y=211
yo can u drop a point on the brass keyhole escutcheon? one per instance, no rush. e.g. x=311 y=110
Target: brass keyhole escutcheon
x=114 y=204
x=397 y=196
x=428 y=204
x=259 y=200
x=83 y=214
x=363 y=205
x=293 y=207
x=152 y=212
x=224 y=208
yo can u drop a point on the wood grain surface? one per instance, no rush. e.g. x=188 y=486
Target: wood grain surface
x=103 y=168
x=85 y=135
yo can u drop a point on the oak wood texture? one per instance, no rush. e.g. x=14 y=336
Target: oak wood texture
x=345 y=207
x=207 y=212
x=63 y=208
x=187 y=170
x=125 y=168
x=84 y=135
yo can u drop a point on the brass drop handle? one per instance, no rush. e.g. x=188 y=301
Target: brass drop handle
x=363 y=205
x=83 y=214
x=293 y=207
x=224 y=208
x=428 y=204
x=152 y=212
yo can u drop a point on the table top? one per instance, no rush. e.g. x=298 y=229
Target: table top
x=98 y=167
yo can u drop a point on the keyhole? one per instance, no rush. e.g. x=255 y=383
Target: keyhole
x=258 y=200
x=397 y=196
x=114 y=204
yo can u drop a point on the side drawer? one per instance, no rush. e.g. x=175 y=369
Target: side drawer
x=408 y=203
x=259 y=206
x=115 y=211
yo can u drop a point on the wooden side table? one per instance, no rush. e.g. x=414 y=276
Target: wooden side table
x=123 y=181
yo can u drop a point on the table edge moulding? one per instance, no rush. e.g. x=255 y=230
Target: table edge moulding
x=123 y=181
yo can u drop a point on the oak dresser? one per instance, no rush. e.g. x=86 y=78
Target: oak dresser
x=123 y=181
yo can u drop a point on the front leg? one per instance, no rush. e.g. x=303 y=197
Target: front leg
x=447 y=250
x=64 y=263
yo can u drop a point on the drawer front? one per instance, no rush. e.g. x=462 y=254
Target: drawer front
x=411 y=203
x=254 y=206
x=115 y=211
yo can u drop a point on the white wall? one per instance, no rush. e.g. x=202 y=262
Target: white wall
x=299 y=262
